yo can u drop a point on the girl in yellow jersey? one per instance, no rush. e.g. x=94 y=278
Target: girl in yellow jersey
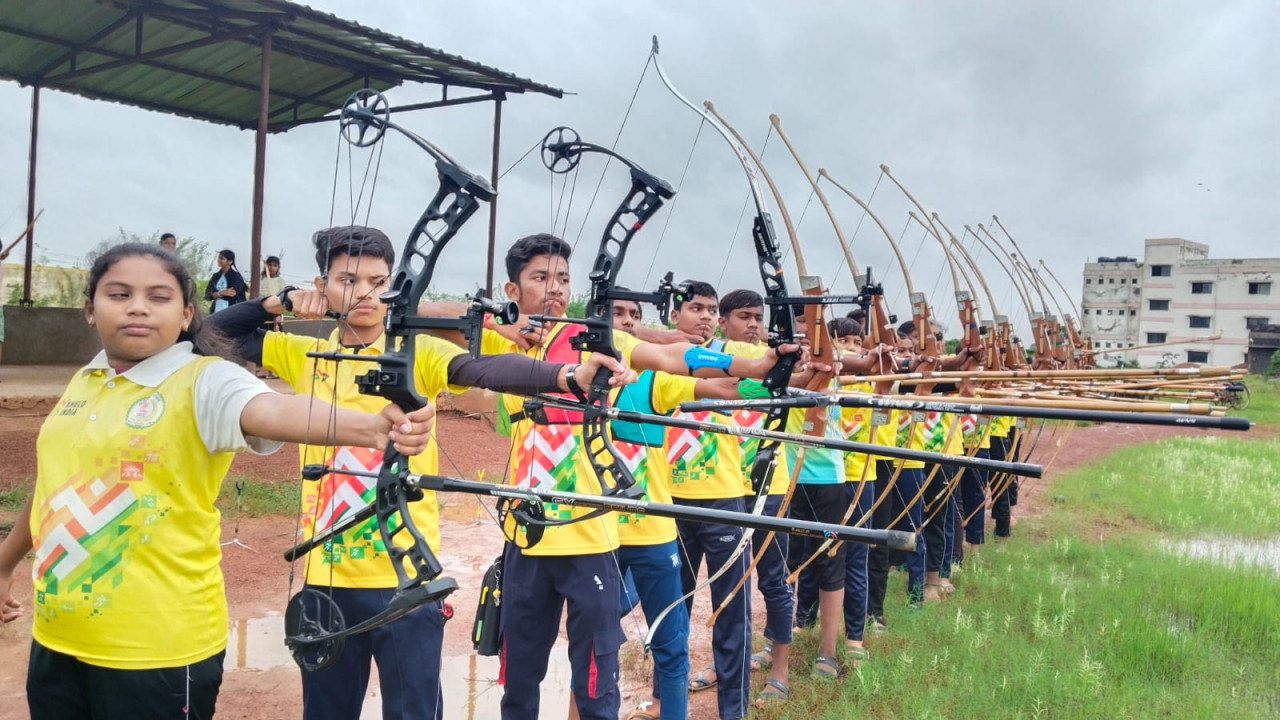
x=130 y=616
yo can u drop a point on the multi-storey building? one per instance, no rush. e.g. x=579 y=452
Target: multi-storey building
x=1176 y=293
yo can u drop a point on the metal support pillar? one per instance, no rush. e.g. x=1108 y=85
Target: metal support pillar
x=493 y=180
x=31 y=198
x=260 y=165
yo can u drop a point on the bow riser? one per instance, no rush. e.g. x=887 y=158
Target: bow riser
x=315 y=640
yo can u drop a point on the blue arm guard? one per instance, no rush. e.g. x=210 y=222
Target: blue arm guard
x=697 y=358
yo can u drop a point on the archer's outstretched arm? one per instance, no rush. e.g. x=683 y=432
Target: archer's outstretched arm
x=523 y=375
x=697 y=361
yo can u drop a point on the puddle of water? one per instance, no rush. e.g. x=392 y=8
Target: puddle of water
x=470 y=682
x=471 y=688
x=1230 y=551
x=257 y=644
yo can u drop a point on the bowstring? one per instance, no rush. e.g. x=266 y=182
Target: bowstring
x=609 y=159
x=854 y=235
x=372 y=169
x=914 y=256
x=733 y=239
x=671 y=207
x=315 y=362
x=526 y=154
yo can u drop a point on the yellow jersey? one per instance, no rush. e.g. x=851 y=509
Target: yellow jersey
x=357 y=558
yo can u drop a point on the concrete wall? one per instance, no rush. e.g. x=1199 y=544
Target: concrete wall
x=47 y=336
x=1111 y=305
x=1116 y=302
x=60 y=336
x=1227 y=306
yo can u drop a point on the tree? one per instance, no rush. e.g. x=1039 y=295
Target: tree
x=67 y=291
x=195 y=254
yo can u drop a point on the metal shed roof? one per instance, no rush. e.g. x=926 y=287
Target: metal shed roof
x=202 y=58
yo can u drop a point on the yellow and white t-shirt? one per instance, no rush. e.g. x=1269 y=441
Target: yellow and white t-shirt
x=358 y=557
x=126 y=572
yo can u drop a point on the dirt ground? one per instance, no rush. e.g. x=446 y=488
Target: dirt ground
x=261 y=681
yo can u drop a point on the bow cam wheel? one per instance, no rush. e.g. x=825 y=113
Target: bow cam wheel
x=560 y=153
x=310 y=617
x=366 y=110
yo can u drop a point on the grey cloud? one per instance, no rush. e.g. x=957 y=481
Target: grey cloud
x=1086 y=126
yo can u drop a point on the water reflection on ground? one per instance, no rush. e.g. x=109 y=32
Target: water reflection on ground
x=1264 y=553
x=470 y=682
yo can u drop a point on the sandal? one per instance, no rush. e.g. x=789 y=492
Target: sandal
x=642 y=712
x=701 y=681
x=762 y=660
x=856 y=653
x=825 y=667
x=876 y=624
x=946 y=587
x=774 y=691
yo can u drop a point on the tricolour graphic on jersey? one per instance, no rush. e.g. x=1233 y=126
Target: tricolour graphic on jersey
x=691 y=454
x=548 y=462
x=636 y=459
x=935 y=431
x=341 y=494
x=86 y=529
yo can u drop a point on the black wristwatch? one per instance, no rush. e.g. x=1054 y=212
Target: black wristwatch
x=283 y=297
x=572 y=382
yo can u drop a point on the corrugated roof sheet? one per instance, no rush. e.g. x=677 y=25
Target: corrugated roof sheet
x=202 y=58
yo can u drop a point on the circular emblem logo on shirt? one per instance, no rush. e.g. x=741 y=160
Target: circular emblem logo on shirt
x=145 y=412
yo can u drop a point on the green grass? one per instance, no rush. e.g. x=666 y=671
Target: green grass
x=1264 y=401
x=1083 y=614
x=14 y=499
x=1182 y=485
x=260 y=497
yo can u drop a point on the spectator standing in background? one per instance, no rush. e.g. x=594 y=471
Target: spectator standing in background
x=169 y=242
x=271 y=283
x=227 y=286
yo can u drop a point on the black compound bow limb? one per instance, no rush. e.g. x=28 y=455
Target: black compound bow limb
x=314 y=627
x=562 y=150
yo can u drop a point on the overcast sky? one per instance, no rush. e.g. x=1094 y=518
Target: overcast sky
x=1086 y=126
